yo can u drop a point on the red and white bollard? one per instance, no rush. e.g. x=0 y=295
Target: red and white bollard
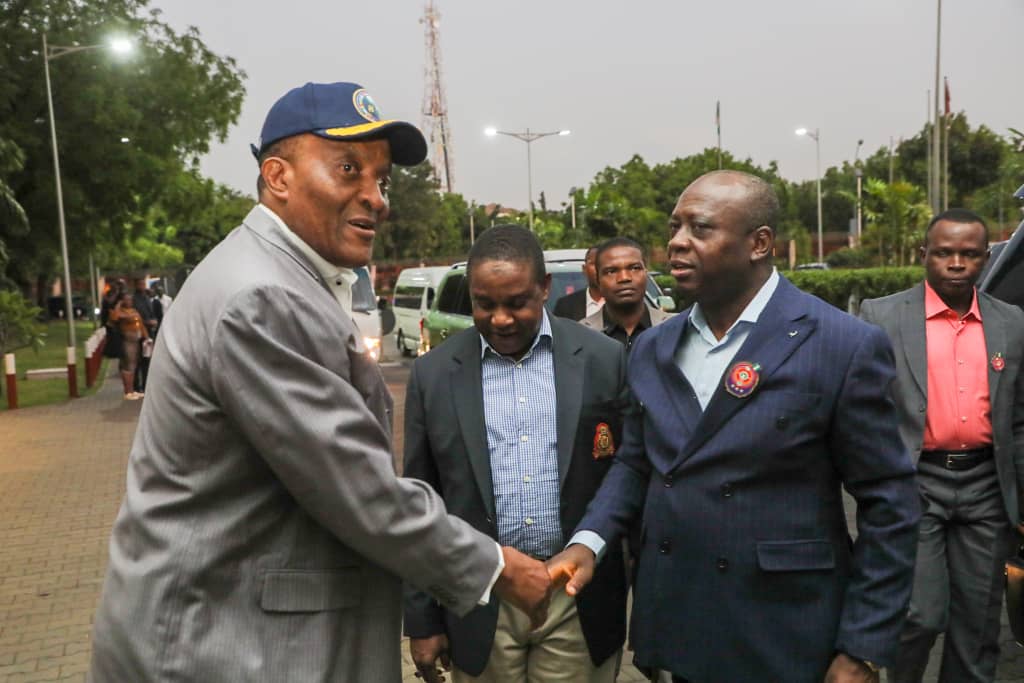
x=12 y=381
x=72 y=374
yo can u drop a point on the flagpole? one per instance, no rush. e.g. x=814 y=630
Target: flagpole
x=718 y=126
x=947 y=121
x=928 y=145
x=937 y=130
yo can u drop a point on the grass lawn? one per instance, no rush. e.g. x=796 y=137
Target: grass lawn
x=53 y=355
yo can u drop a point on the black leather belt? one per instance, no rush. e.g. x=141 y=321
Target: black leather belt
x=957 y=460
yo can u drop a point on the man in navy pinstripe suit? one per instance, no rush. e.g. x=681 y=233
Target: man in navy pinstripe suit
x=757 y=406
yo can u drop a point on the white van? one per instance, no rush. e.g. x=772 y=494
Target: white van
x=366 y=314
x=414 y=294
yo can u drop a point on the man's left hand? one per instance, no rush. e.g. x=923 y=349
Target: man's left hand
x=846 y=669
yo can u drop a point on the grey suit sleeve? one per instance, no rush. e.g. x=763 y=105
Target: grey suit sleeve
x=1017 y=416
x=315 y=432
x=424 y=617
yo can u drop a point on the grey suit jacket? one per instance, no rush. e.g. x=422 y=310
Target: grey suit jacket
x=595 y=321
x=264 y=535
x=902 y=317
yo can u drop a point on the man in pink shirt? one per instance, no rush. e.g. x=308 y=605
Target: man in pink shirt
x=960 y=396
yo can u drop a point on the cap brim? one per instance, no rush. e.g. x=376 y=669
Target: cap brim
x=408 y=146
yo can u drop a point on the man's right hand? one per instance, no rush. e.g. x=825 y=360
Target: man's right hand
x=574 y=566
x=525 y=584
x=427 y=654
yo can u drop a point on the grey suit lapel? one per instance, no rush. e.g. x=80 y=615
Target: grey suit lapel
x=468 y=394
x=568 y=392
x=995 y=341
x=912 y=332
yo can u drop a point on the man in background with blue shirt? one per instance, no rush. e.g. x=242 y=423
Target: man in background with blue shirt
x=514 y=422
x=758 y=406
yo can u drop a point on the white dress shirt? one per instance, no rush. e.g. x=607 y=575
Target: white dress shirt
x=592 y=305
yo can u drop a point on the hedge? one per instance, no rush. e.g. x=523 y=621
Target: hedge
x=837 y=286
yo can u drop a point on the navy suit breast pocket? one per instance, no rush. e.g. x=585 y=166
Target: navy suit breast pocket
x=796 y=571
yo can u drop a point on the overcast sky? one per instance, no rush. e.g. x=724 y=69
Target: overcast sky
x=638 y=77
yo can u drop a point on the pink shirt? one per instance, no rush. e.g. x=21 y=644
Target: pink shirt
x=959 y=412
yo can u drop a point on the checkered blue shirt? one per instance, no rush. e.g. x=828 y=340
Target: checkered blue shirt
x=522 y=438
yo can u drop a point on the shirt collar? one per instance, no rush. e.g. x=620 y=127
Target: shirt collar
x=327 y=270
x=591 y=299
x=545 y=333
x=610 y=323
x=934 y=305
x=749 y=315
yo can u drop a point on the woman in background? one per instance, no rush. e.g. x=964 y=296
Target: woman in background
x=133 y=331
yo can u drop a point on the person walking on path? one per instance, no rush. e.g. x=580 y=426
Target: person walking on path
x=264 y=534
x=133 y=333
x=960 y=398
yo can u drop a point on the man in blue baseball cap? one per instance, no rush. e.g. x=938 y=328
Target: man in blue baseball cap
x=264 y=535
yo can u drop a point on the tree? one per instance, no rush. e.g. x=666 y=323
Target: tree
x=897 y=215
x=169 y=100
x=18 y=326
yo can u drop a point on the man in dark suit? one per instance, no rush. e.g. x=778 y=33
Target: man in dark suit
x=586 y=301
x=960 y=397
x=514 y=422
x=758 y=405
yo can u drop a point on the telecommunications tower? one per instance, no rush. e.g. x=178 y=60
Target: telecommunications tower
x=435 y=107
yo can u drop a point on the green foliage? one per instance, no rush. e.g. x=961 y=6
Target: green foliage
x=847 y=257
x=18 y=326
x=896 y=216
x=170 y=98
x=838 y=286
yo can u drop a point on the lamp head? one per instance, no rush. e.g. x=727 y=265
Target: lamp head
x=490 y=131
x=564 y=132
x=801 y=131
x=121 y=46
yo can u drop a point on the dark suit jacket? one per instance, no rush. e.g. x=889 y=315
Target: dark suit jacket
x=746 y=570
x=446 y=446
x=902 y=317
x=572 y=306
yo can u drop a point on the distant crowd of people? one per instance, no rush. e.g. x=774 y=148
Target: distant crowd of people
x=132 y=320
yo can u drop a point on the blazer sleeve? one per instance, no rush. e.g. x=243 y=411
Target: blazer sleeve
x=1017 y=416
x=876 y=470
x=424 y=616
x=620 y=499
x=313 y=429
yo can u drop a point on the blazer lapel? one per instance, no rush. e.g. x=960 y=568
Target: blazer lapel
x=995 y=342
x=568 y=365
x=780 y=330
x=912 y=332
x=677 y=387
x=468 y=394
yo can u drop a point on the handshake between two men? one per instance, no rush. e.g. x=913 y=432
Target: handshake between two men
x=525 y=583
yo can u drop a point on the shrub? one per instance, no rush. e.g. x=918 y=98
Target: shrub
x=18 y=326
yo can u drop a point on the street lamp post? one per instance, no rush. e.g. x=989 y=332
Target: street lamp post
x=816 y=136
x=860 y=178
x=528 y=137
x=51 y=52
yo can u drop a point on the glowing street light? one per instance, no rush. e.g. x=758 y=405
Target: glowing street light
x=51 y=52
x=528 y=137
x=815 y=135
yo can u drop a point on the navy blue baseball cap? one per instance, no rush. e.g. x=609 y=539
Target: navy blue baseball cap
x=339 y=111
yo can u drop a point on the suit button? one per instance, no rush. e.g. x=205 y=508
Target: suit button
x=920 y=408
x=722 y=564
x=781 y=422
x=668 y=481
x=665 y=547
x=727 y=490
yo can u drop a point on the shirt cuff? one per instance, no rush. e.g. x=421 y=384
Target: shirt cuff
x=486 y=597
x=590 y=540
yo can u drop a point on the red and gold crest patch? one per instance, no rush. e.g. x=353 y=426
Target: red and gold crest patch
x=604 y=443
x=998 y=362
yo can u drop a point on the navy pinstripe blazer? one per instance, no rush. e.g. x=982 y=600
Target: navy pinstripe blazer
x=746 y=570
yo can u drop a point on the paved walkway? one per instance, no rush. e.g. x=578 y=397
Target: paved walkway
x=62 y=471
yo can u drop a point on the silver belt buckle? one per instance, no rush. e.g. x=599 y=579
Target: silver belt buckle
x=949 y=460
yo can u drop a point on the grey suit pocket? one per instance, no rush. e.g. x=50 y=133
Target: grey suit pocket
x=306 y=590
x=794 y=556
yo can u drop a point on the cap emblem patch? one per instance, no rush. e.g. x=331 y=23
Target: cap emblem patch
x=365 y=105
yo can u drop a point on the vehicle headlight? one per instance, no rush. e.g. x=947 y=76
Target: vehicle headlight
x=372 y=346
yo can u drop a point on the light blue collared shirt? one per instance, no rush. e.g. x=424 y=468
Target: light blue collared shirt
x=522 y=439
x=703 y=360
